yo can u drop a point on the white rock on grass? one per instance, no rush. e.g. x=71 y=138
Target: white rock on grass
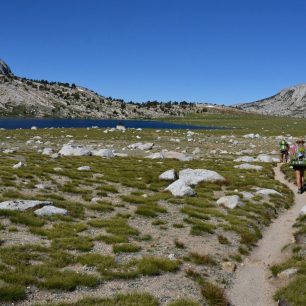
x=9 y=151
x=169 y=175
x=40 y=186
x=84 y=168
x=288 y=273
x=18 y=165
x=22 y=205
x=265 y=158
x=72 y=150
x=104 y=153
x=195 y=176
x=248 y=167
x=230 y=202
x=247 y=195
x=266 y=191
x=47 y=151
x=121 y=154
x=176 y=155
x=252 y=136
x=245 y=159
x=196 y=151
x=50 y=210
x=157 y=155
x=180 y=189
x=141 y=146
x=303 y=211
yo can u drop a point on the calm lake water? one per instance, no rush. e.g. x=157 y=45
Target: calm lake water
x=21 y=123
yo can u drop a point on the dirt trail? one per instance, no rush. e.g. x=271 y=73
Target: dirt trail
x=253 y=285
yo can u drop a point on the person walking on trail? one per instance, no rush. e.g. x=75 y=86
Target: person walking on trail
x=284 y=149
x=298 y=162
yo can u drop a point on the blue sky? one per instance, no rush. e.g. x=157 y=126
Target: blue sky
x=217 y=51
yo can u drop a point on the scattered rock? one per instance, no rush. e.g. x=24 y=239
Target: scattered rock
x=196 y=151
x=288 y=273
x=247 y=195
x=157 y=155
x=141 y=146
x=176 y=155
x=180 y=189
x=9 y=151
x=229 y=266
x=248 y=167
x=84 y=168
x=266 y=191
x=72 y=150
x=169 y=175
x=18 y=165
x=22 y=205
x=245 y=159
x=50 y=210
x=195 y=176
x=104 y=153
x=303 y=211
x=230 y=201
x=47 y=151
x=252 y=136
x=264 y=158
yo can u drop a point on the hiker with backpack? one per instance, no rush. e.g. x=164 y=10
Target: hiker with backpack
x=298 y=162
x=284 y=149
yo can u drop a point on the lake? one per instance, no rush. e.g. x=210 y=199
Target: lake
x=22 y=123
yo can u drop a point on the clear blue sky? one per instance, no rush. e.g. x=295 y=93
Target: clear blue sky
x=219 y=51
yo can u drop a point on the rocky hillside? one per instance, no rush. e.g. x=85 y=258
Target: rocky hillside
x=41 y=98
x=289 y=102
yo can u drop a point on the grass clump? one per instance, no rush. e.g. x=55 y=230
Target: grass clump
x=295 y=292
x=115 y=226
x=155 y=265
x=214 y=295
x=183 y=302
x=73 y=243
x=69 y=280
x=111 y=239
x=12 y=293
x=130 y=299
x=201 y=259
x=179 y=244
x=126 y=248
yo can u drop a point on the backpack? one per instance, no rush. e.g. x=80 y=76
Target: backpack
x=283 y=145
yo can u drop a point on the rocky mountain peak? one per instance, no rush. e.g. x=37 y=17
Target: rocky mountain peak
x=290 y=101
x=5 y=69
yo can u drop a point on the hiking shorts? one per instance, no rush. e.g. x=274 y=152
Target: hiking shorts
x=284 y=151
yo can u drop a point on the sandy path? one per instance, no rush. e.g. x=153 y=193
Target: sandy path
x=253 y=285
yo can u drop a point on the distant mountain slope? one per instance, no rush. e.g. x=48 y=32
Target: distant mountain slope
x=41 y=98
x=289 y=102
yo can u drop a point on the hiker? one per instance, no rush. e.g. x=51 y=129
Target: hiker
x=298 y=162
x=284 y=149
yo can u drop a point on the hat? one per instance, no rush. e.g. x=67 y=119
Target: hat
x=300 y=140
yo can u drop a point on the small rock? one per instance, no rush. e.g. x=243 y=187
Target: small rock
x=18 y=165
x=180 y=189
x=71 y=150
x=245 y=159
x=266 y=191
x=303 y=211
x=103 y=153
x=248 y=167
x=50 y=210
x=288 y=273
x=22 y=205
x=230 y=202
x=229 y=266
x=169 y=175
x=84 y=168
x=141 y=146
